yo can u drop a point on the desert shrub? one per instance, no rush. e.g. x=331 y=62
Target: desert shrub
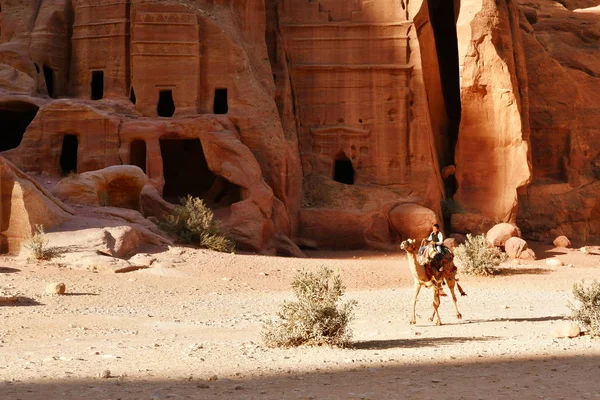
x=316 y=318
x=588 y=310
x=38 y=244
x=194 y=223
x=476 y=257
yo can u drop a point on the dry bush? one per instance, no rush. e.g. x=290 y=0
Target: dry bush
x=194 y=223
x=588 y=312
x=38 y=244
x=316 y=318
x=476 y=257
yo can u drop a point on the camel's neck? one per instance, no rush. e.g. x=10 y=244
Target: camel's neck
x=417 y=269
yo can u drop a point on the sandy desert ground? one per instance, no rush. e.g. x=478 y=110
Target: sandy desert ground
x=189 y=328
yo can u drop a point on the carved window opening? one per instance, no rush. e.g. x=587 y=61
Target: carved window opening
x=68 y=156
x=137 y=154
x=15 y=117
x=220 y=104
x=97 y=85
x=132 y=97
x=343 y=171
x=166 y=105
x=49 y=78
x=186 y=172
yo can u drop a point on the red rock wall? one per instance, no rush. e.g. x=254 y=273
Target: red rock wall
x=492 y=153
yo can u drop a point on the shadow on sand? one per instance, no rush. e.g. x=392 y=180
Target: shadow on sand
x=478 y=378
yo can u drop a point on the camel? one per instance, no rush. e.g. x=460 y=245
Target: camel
x=425 y=275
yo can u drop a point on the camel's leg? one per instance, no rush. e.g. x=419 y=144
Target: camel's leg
x=413 y=319
x=451 y=282
x=462 y=292
x=436 y=304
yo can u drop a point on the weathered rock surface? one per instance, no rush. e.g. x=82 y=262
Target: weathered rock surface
x=116 y=186
x=23 y=205
x=562 y=241
x=242 y=103
x=500 y=233
x=517 y=248
x=563 y=71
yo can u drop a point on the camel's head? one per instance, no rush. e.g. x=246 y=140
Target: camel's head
x=408 y=245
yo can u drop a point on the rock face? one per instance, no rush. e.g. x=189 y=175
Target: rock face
x=23 y=205
x=313 y=120
x=117 y=186
x=564 y=91
x=492 y=151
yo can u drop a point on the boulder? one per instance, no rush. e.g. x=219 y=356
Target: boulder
x=56 y=288
x=116 y=186
x=23 y=205
x=459 y=238
x=412 y=221
x=500 y=233
x=450 y=243
x=562 y=241
x=517 y=248
x=567 y=329
x=153 y=205
x=554 y=262
x=448 y=171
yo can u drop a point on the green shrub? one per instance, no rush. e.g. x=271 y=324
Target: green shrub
x=588 y=312
x=316 y=318
x=476 y=257
x=194 y=223
x=38 y=244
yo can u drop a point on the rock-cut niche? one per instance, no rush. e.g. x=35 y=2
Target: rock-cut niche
x=68 y=154
x=343 y=170
x=15 y=117
x=166 y=105
x=97 y=85
x=220 y=103
x=186 y=172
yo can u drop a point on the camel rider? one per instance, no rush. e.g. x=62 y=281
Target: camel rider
x=436 y=238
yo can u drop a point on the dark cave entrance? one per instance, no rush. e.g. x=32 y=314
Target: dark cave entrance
x=137 y=154
x=186 y=172
x=15 y=117
x=68 y=155
x=220 y=103
x=343 y=171
x=49 y=78
x=97 y=85
x=166 y=105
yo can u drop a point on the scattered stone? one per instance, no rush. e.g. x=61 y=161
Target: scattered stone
x=553 y=262
x=239 y=387
x=500 y=233
x=562 y=241
x=567 y=329
x=213 y=378
x=203 y=386
x=56 y=288
x=517 y=248
x=104 y=374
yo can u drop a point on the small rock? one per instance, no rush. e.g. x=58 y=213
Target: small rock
x=567 y=329
x=553 y=262
x=213 y=378
x=104 y=374
x=203 y=386
x=56 y=288
x=562 y=241
x=239 y=387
